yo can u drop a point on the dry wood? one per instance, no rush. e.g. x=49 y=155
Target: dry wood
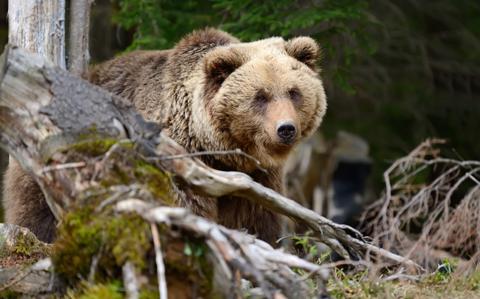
x=446 y=228
x=162 y=281
x=130 y=281
x=236 y=251
x=38 y=26
x=79 y=24
x=218 y=183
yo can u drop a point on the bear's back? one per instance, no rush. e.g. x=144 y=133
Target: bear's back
x=136 y=76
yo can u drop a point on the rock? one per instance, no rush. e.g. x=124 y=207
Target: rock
x=23 y=266
x=18 y=240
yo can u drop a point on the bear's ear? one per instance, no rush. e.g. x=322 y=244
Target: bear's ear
x=304 y=49
x=220 y=63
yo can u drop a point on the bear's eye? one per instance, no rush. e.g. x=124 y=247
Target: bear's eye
x=261 y=97
x=295 y=94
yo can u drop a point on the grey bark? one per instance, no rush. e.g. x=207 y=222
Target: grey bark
x=32 y=280
x=79 y=24
x=43 y=108
x=38 y=26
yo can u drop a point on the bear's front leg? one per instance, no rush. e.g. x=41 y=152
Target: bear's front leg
x=25 y=205
x=239 y=213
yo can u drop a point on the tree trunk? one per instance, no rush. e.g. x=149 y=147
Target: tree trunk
x=38 y=26
x=79 y=24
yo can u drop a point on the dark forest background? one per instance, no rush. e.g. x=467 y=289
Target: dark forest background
x=396 y=72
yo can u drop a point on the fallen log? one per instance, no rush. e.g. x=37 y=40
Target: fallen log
x=57 y=126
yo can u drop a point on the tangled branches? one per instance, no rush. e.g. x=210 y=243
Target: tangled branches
x=430 y=209
x=236 y=254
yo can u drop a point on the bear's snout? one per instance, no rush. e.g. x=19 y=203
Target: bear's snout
x=287 y=132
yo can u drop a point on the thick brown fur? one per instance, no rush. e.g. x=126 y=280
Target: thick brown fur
x=212 y=93
x=24 y=204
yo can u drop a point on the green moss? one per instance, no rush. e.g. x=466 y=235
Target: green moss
x=29 y=245
x=8 y=294
x=93 y=146
x=129 y=166
x=25 y=245
x=135 y=170
x=117 y=238
x=113 y=239
x=77 y=242
x=157 y=181
x=110 y=290
x=132 y=240
x=149 y=294
x=107 y=290
x=89 y=145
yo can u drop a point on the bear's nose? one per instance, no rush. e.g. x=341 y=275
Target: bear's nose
x=287 y=132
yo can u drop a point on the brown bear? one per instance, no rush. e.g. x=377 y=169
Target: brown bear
x=212 y=93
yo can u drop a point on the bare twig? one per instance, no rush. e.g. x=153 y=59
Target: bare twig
x=63 y=166
x=130 y=281
x=162 y=282
x=444 y=227
x=107 y=156
x=93 y=267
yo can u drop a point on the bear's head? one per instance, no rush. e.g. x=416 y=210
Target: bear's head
x=264 y=97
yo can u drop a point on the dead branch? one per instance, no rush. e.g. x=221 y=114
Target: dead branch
x=130 y=281
x=444 y=226
x=218 y=183
x=254 y=259
x=162 y=282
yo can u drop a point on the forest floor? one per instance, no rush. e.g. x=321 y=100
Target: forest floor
x=436 y=286
x=443 y=283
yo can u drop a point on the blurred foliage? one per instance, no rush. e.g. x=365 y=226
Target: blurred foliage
x=396 y=72
x=159 y=24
